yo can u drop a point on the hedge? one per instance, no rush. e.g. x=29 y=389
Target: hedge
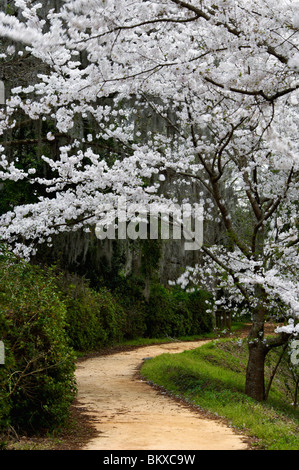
x=37 y=381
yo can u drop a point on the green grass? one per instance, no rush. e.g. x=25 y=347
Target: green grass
x=212 y=378
x=150 y=341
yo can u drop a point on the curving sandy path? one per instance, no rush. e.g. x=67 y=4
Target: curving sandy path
x=129 y=414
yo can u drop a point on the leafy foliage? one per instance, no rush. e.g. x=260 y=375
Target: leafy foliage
x=174 y=312
x=94 y=318
x=37 y=380
x=130 y=294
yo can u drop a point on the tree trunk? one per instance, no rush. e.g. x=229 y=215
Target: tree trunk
x=255 y=374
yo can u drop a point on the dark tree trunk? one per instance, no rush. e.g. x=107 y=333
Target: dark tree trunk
x=255 y=374
x=258 y=350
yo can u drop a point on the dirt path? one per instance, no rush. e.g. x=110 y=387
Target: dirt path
x=129 y=414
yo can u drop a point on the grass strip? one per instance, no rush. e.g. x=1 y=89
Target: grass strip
x=212 y=377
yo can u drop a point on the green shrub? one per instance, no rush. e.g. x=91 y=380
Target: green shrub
x=163 y=317
x=130 y=295
x=198 y=303
x=94 y=318
x=37 y=381
x=175 y=312
x=113 y=316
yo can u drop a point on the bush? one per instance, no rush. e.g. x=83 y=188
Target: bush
x=174 y=312
x=94 y=318
x=130 y=294
x=37 y=381
x=198 y=304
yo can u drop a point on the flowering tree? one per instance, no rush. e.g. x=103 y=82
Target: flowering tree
x=223 y=75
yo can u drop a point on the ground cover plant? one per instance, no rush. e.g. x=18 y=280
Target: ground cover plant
x=212 y=378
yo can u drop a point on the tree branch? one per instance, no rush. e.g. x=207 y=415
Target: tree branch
x=269 y=98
